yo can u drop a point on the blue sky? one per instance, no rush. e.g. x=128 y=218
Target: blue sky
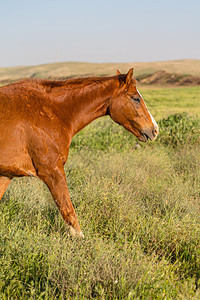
x=41 y=31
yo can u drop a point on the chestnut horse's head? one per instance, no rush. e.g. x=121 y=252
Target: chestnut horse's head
x=128 y=108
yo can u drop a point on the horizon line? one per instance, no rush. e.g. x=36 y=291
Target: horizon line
x=88 y=62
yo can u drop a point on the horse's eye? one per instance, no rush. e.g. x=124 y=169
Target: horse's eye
x=137 y=99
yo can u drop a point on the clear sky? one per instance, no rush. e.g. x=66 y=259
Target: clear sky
x=42 y=31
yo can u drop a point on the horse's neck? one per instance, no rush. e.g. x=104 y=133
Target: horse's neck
x=81 y=107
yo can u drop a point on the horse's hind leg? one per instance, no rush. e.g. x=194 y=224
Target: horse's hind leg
x=4 y=183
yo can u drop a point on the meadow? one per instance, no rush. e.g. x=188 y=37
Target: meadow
x=138 y=206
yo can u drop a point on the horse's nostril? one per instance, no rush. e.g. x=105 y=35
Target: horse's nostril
x=156 y=130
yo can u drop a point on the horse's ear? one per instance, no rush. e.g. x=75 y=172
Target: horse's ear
x=118 y=72
x=129 y=76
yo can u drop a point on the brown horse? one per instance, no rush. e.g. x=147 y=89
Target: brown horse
x=39 y=119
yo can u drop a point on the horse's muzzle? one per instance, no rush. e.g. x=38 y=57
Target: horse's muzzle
x=149 y=134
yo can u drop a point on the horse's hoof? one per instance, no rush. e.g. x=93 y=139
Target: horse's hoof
x=76 y=234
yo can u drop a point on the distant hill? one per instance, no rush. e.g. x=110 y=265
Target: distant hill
x=165 y=78
x=74 y=69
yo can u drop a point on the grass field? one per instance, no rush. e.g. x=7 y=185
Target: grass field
x=138 y=208
x=165 y=101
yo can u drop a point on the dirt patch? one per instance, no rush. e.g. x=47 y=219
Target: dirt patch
x=164 y=78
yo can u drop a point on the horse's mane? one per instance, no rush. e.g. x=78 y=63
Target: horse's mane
x=82 y=82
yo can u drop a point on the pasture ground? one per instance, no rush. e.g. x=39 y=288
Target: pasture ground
x=139 y=210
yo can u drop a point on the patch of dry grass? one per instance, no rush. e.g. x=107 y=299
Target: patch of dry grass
x=140 y=215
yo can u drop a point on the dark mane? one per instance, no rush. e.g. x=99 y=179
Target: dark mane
x=58 y=83
x=49 y=85
x=83 y=82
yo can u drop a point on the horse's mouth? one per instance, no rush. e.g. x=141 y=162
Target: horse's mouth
x=143 y=137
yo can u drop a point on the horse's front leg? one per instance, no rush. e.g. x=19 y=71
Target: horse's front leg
x=57 y=184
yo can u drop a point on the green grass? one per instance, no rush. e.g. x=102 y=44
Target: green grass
x=139 y=211
x=166 y=101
